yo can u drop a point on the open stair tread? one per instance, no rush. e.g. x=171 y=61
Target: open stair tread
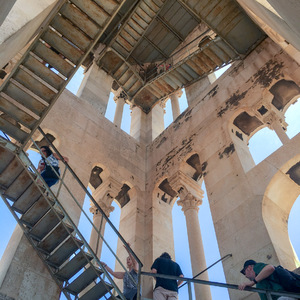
x=64 y=251
x=83 y=280
x=97 y=291
x=73 y=266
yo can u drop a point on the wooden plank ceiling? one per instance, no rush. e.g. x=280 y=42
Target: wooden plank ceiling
x=153 y=48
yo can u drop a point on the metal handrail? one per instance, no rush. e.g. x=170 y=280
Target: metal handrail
x=222 y=258
x=99 y=209
x=268 y=293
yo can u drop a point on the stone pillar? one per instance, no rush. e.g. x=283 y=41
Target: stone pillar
x=157 y=120
x=104 y=196
x=138 y=126
x=119 y=98
x=277 y=124
x=95 y=88
x=191 y=196
x=175 y=106
x=99 y=222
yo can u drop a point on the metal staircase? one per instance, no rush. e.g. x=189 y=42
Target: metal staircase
x=50 y=230
x=37 y=80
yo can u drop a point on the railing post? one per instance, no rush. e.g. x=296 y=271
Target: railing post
x=190 y=290
x=268 y=294
x=61 y=181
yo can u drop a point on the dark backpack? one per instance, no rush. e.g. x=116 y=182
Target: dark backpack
x=289 y=280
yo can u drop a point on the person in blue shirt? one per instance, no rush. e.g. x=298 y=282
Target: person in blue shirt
x=44 y=168
x=166 y=288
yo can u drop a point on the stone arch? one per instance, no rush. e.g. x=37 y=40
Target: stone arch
x=279 y=197
x=41 y=140
x=163 y=191
x=96 y=176
x=100 y=174
x=241 y=133
x=284 y=91
x=191 y=166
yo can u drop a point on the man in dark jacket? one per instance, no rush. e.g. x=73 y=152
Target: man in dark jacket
x=264 y=277
x=166 y=288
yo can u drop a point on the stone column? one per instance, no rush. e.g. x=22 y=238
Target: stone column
x=95 y=88
x=120 y=98
x=104 y=196
x=157 y=119
x=191 y=196
x=139 y=125
x=119 y=111
x=175 y=104
x=99 y=222
x=277 y=124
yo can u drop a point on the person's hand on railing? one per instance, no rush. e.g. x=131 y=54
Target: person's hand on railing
x=246 y=284
x=65 y=159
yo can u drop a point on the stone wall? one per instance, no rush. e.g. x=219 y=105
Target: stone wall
x=235 y=193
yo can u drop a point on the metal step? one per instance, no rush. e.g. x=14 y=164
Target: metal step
x=83 y=280
x=35 y=212
x=10 y=173
x=46 y=224
x=27 y=199
x=19 y=186
x=65 y=250
x=96 y=292
x=55 y=238
x=73 y=266
x=6 y=159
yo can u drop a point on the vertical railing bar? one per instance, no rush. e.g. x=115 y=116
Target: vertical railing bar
x=189 y=289
x=60 y=183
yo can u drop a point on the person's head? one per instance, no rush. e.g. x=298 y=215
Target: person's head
x=248 y=270
x=129 y=262
x=46 y=151
x=166 y=255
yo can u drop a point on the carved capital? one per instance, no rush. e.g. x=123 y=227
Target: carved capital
x=120 y=95
x=189 y=202
x=183 y=185
x=273 y=119
x=108 y=190
x=107 y=209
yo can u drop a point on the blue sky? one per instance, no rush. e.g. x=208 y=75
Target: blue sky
x=261 y=145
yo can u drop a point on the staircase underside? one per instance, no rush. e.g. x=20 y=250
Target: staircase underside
x=151 y=48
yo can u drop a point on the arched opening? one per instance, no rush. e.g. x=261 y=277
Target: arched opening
x=294 y=225
x=280 y=195
x=263 y=143
x=292 y=118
